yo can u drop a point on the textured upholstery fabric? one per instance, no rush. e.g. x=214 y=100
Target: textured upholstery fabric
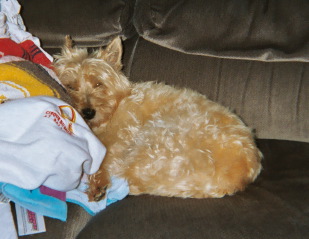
x=271 y=97
x=90 y=23
x=274 y=207
x=261 y=30
x=56 y=229
x=264 y=30
x=249 y=55
x=265 y=210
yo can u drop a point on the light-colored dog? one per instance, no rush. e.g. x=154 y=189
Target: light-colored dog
x=164 y=141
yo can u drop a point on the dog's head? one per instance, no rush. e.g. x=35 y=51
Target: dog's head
x=94 y=81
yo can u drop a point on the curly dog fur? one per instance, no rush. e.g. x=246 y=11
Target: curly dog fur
x=164 y=140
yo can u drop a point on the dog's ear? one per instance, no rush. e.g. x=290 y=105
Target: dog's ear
x=67 y=48
x=70 y=51
x=113 y=53
x=68 y=42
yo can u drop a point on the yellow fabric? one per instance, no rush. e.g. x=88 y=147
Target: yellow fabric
x=20 y=83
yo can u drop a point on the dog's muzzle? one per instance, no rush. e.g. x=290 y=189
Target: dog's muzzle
x=88 y=113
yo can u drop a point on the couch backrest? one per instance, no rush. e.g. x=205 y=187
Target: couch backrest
x=271 y=97
x=244 y=29
x=249 y=55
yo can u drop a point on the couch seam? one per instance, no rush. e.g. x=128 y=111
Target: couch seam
x=132 y=55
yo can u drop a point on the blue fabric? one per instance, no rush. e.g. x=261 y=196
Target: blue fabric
x=118 y=191
x=49 y=206
x=35 y=201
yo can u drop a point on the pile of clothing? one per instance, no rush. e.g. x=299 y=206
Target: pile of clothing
x=47 y=150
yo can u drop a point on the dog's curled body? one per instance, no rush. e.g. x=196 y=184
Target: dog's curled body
x=164 y=140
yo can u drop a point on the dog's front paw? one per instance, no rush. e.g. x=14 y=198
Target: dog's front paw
x=98 y=185
x=97 y=194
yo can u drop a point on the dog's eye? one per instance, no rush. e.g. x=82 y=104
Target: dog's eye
x=69 y=87
x=97 y=84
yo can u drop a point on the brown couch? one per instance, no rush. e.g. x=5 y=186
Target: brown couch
x=249 y=55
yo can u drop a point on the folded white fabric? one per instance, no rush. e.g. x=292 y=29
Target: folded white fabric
x=44 y=141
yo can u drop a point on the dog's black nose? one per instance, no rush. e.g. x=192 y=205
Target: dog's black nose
x=88 y=113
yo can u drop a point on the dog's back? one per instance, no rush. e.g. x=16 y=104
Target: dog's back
x=176 y=142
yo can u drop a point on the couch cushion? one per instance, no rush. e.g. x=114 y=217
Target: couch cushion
x=271 y=97
x=56 y=229
x=262 y=30
x=274 y=207
x=90 y=23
